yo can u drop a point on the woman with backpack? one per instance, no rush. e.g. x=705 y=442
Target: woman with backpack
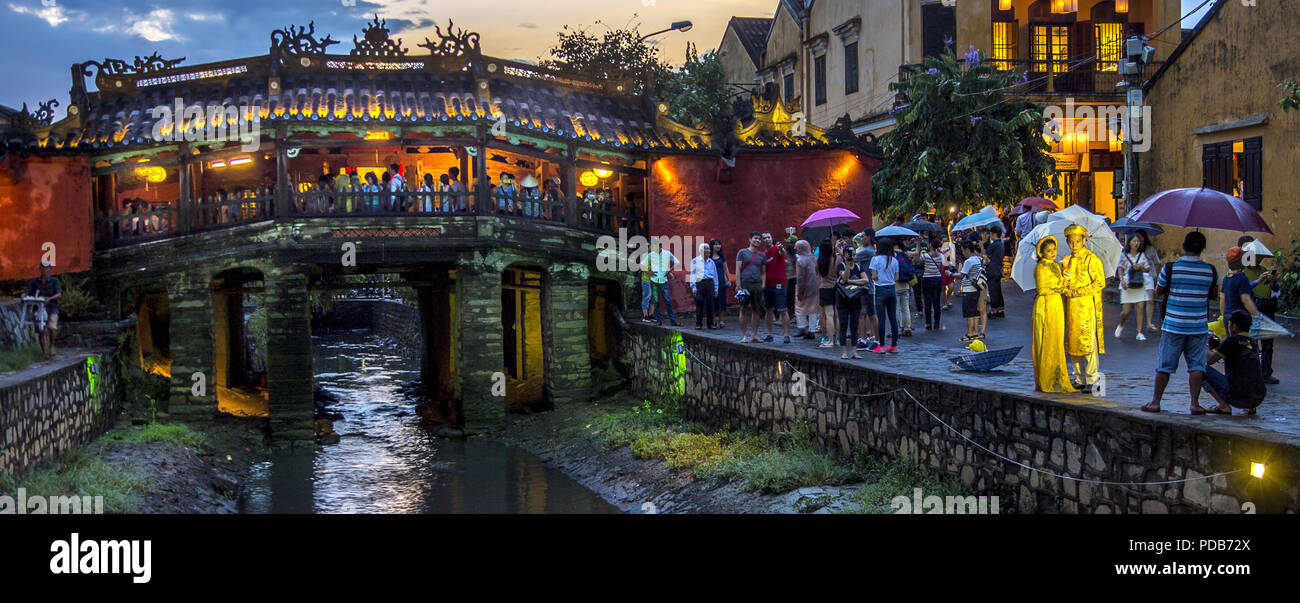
x=828 y=272
x=933 y=272
x=1134 y=271
x=884 y=273
x=903 y=289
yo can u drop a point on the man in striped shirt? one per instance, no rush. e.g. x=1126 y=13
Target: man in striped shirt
x=1190 y=284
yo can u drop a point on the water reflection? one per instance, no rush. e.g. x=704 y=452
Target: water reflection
x=387 y=463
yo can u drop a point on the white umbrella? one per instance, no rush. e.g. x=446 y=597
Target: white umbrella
x=896 y=231
x=1254 y=249
x=1099 y=239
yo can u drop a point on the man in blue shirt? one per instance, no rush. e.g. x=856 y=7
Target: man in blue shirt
x=48 y=288
x=1190 y=284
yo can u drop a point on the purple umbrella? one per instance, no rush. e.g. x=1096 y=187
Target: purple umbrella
x=1200 y=208
x=830 y=217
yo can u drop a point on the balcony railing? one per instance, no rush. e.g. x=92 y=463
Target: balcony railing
x=1043 y=77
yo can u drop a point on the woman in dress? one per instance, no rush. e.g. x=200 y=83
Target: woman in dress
x=1153 y=272
x=1133 y=273
x=724 y=281
x=1050 y=373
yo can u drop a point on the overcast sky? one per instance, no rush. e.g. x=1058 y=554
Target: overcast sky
x=41 y=39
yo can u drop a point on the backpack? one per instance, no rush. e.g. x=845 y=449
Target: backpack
x=906 y=271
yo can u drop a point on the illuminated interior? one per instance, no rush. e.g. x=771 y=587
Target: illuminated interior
x=521 y=327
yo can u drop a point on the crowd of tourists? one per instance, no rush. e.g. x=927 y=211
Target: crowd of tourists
x=856 y=292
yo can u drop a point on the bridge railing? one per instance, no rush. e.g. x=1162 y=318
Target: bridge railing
x=382 y=203
x=606 y=216
x=529 y=204
x=138 y=225
x=219 y=210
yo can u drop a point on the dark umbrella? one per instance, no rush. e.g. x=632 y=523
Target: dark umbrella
x=923 y=226
x=1129 y=225
x=1200 y=208
x=815 y=235
x=1038 y=202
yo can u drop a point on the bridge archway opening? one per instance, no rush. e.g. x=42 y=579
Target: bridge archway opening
x=604 y=310
x=152 y=309
x=521 y=343
x=240 y=342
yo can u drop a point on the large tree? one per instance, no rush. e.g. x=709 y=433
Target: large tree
x=960 y=141
x=696 y=92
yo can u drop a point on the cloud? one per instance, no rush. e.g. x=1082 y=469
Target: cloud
x=156 y=26
x=528 y=25
x=54 y=15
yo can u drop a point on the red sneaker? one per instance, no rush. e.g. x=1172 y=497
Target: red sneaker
x=893 y=349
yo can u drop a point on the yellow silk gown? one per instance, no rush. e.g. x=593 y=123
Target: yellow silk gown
x=1083 y=312
x=1050 y=374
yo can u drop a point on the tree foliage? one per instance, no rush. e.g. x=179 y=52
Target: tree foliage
x=959 y=141
x=696 y=92
x=1291 y=100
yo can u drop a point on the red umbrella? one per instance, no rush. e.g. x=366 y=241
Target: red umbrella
x=830 y=217
x=1039 y=202
x=1200 y=208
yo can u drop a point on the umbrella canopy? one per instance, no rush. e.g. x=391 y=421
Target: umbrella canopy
x=830 y=216
x=1129 y=225
x=923 y=226
x=1200 y=208
x=1038 y=202
x=1099 y=239
x=896 y=231
x=976 y=220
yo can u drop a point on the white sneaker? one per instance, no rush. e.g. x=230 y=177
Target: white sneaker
x=1141 y=337
x=1119 y=331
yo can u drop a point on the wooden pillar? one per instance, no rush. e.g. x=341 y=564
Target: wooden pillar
x=570 y=183
x=289 y=380
x=481 y=203
x=185 y=184
x=192 y=349
x=564 y=335
x=480 y=364
x=283 y=187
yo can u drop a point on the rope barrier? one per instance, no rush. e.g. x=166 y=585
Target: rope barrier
x=687 y=350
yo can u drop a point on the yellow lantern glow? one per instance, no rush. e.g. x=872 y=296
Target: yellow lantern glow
x=1257 y=469
x=603 y=173
x=378 y=135
x=152 y=173
x=1004 y=4
x=588 y=179
x=1121 y=6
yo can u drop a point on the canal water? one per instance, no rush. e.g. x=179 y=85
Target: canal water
x=387 y=462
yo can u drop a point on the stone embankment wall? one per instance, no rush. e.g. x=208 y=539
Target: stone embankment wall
x=45 y=410
x=1073 y=440
x=14 y=333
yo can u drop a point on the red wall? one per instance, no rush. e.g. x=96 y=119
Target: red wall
x=44 y=199
x=768 y=191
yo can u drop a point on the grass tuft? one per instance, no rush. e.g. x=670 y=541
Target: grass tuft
x=80 y=473
x=17 y=360
x=175 y=433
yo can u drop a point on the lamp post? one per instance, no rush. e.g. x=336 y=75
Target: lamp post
x=682 y=26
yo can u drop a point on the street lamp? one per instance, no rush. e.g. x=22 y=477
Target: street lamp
x=682 y=26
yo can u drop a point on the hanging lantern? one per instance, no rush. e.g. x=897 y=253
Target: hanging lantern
x=153 y=174
x=1071 y=6
x=1004 y=4
x=1121 y=6
x=588 y=178
x=1058 y=6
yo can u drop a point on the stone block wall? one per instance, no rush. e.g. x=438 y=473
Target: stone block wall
x=14 y=333
x=45 y=412
x=1071 y=440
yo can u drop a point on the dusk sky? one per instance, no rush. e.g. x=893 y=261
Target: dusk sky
x=43 y=38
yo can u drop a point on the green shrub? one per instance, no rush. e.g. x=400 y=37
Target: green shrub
x=886 y=479
x=76 y=301
x=17 y=360
x=80 y=473
x=175 y=433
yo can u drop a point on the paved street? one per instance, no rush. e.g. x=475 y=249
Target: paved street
x=1129 y=365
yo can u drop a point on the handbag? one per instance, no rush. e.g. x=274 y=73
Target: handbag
x=1135 y=277
x=850 y=292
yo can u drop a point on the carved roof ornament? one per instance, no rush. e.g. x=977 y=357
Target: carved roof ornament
x=376 y=42
x=150 y=64
x=44 y=114
x=452 y=44
x=295 y=40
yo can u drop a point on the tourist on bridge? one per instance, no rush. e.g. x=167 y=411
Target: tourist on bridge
x=866 y=249
x=851 y=286
x=49 y=289
x=1134 y=272
x=751 y=271
x=806 y=310
x=827 y=275
x=933 y=272
x=1265 y=291
x=458 y=189
x=703 y=280
x=884 y=275
x=724 y=274
x=972 y=289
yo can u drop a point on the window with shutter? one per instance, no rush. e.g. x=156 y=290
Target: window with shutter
x=1252 y=163
x=788 y=84
x=850 y=68
x=819 y=80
